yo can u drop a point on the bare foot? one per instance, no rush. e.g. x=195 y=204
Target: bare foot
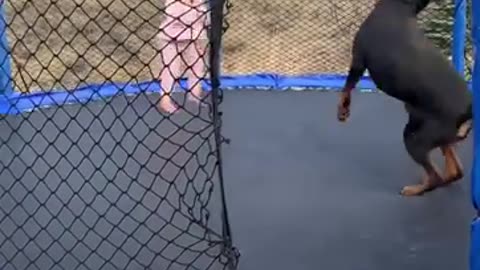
x=167 y=105
x=196 y=99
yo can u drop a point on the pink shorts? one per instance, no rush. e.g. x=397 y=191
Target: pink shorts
x=185 y=20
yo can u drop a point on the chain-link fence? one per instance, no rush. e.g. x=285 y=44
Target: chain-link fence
x=104 y=163
x=312 y=37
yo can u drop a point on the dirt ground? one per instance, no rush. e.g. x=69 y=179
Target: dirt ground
x=292 y=37
x=65 y=44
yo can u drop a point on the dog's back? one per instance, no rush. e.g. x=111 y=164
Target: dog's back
x=404 y=63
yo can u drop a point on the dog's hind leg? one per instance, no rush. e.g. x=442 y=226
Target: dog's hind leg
x=453 y=166
x=419 y=142
x=357 y=68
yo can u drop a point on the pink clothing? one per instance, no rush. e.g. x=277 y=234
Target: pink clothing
x=184 y=31
x=188 y=54
x=185 y=20
x=178 y=54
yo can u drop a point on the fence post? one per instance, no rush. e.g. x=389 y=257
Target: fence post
x=215 y=37
x=475 y=235
x=459 y=35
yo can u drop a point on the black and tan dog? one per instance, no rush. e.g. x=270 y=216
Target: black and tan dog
x=405 y=65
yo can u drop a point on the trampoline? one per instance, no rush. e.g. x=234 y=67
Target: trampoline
x=94 y=176
x=305 y=192
x=302 y=191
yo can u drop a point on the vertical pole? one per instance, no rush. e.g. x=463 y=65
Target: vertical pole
x=475 y=235
x=5 y=69
x=215 y=37
x=459 y=35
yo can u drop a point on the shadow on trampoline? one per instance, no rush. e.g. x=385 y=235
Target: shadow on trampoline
x=307 y=192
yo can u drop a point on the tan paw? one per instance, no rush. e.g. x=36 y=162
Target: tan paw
x=413 y=190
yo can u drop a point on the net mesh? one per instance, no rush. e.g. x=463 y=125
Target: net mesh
x=116 y=180
x=313 y=37
x=97 y=170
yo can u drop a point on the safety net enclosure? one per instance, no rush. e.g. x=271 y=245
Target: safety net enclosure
x=95 y=174
x=106 y=163
x=300 y=44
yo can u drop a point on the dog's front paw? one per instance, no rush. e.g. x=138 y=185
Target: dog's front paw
x=343 y=113
x=343 y=109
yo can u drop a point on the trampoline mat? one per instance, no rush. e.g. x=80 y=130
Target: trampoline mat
x=110 y=186
x=307 y=192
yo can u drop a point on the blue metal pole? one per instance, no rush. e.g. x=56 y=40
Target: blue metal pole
x=475 y=236
x=5 y=56
x=459 y=35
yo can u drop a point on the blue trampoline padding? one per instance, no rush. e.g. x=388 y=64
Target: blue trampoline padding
x=274 y=81
x=21 y=102
x=17 y=103
x=475 y=245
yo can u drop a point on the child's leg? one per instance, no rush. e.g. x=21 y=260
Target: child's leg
x=195 y=60
x=171 y=65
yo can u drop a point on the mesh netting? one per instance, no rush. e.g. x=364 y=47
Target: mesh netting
x=110 y=142
x=97 y=170
x=312 y=37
